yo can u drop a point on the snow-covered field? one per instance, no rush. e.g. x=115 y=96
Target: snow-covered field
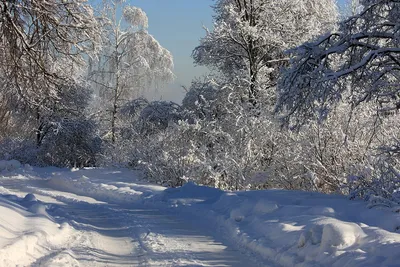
x=108 y=217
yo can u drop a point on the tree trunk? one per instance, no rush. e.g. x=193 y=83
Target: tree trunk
x=39 y=130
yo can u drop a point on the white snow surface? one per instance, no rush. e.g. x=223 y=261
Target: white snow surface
x=109 y=217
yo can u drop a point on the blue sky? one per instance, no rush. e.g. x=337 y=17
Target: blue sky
x=177 y=25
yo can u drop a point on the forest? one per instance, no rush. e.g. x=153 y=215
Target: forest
x=299 y=95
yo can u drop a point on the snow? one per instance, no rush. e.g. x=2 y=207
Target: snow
x=25 y=235
x=9 y=165
x=289 y=228
x=110 y=217
x=107 y=188
x=98 y=217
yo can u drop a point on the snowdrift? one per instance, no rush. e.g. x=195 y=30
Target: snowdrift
x=292 y=228
x=9 y=165
x=276 y=227
x=28 y=233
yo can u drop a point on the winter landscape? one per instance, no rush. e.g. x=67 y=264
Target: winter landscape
x=283 y=151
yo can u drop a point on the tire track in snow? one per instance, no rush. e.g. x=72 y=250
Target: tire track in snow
x=117 y=233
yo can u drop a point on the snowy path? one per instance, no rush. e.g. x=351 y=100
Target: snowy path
x=93 y=232
x=109 y=217
x=156 y=239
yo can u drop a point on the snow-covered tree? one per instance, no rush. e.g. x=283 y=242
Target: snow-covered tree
x=356 y=67
x=158 y=115
x=200 y=97
x=249 y=38
x=378 y=180
x=131 y=61
x=360 y=62
x=64 y=137
x=245 y=50
x=43 y=49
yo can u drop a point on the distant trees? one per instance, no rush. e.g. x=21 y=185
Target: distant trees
x=130 y=61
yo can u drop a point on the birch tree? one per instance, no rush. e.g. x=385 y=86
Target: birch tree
x=131 y=61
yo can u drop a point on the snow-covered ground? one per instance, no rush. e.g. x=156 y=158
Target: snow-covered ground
x=107 y=217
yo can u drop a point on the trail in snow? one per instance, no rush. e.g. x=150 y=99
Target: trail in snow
x=100 y=225
x=158 y=239
x=108 y=217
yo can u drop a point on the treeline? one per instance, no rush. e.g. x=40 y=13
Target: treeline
x=298 y=96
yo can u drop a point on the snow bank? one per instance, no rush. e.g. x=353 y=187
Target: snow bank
x=104 y=192
x=29 y=236
x=9 y=165
x=113 y=186
x=295 y=228
x=27 y=232
x=188 y=194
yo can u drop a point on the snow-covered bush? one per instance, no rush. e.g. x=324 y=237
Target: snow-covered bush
x=218 y=145
x=68 y=143
x=188 y=152
x=171 y=156
x=24 y=151
x=356 y=68
x=140 y=121
x=378 y=182
x=71 y=143
x=322 y=154
x=222 y=145
x=9 y=165
x=157 y=115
